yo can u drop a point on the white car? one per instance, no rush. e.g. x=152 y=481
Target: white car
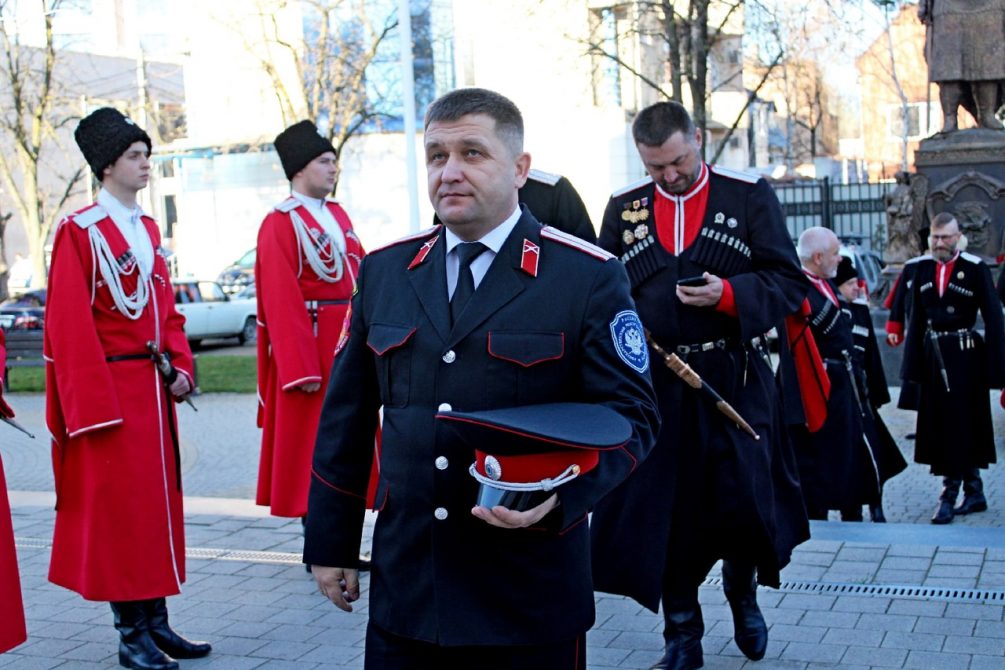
x=209 y=312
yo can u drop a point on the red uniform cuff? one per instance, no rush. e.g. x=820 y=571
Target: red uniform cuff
x=895 y=328
x=727 y=302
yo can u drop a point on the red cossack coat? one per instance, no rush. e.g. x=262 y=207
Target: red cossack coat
x=12 y=629
x=119 y=531
x=300 y=318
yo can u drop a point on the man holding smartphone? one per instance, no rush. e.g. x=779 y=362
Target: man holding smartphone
x=712 y=269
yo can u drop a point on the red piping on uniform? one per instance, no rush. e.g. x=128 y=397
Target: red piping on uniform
x=335 y=488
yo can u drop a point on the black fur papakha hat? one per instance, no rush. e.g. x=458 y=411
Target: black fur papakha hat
x=104 y=135
x=845 y=271
x=298 y=145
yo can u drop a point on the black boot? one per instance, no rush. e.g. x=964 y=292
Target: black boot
x=973 y=495
x=683 y=631
x=166 y=639
x=853 y=513
x=876 y=513
x=749 y=629
x=950 y=490
x=136 y=648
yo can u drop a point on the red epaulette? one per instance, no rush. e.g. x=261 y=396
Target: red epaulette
x=568 y=240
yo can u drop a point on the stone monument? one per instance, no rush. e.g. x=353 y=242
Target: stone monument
x=963 y=171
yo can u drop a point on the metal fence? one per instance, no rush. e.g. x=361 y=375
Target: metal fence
x=855 y=212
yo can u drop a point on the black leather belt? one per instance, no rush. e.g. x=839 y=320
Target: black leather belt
x=685 y=349
x=128 y=357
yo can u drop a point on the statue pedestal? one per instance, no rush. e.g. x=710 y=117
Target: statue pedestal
x=965 y=175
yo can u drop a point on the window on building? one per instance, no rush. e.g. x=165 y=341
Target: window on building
x=917 y=120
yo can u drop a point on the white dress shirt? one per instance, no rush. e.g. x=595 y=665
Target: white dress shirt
x=494 y=240
x=132 y=228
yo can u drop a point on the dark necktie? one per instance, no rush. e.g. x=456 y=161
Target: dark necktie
x=466 y=253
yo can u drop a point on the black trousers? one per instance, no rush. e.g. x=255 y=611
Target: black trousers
x=386 y=651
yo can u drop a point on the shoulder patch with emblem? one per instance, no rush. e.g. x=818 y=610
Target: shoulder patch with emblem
x=90 y=216
x=735 y=174
x=548 y=178
x=568 y=240
x=630 y=340
x=631 y=187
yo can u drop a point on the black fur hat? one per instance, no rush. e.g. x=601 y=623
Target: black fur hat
x=845 y=271
x=298 y=145
x=104 y=135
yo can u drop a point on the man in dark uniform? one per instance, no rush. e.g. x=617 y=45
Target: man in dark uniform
x=955 y=367
x=553 y=201
x=875 y=393
x=712 y=269
x=839 y=460
x=899 y=304
x=548 y=318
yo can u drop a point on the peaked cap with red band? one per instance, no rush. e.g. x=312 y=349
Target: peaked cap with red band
x=523 y=453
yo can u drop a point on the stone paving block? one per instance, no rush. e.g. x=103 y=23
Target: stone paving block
x=958 y=557
x=717 y=612
x=873 y=604
x=13 y=659
x=605 y=656
x=932 y=608
x=47 y=646
x=822 y=653
x=901 y=622
x=250 y=629
x=982 y=611
x=873 y=657
x=600 y=638
x=637 y=624
x=914 y=550
x=905 y=563
x=830 y=619
x=607 y=606
x=951 y=582
x=230 y=645
x=333 y=653
x=853 y=637
x=639 y=659
x=217 y=661
x=779 y=664
x=870 y=554
x=786 y=616
x=284 y=649
x=822 y=546
x=805 y=573
x=944 y=626
x=974 y=645
x=920 y=641
x=979 y=662
x=637 y=640
x=819 y=558
x=932 y=660
x=724 y=663
x=807 y=601
x=900 y=577
x=95 y=652
x=990 y=629
x=958 y=571
x=787 y=633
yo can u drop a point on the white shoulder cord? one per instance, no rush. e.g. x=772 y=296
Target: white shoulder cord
x=328 y=269
x=131 y=306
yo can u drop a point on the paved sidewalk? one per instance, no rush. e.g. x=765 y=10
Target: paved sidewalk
x=899 y=595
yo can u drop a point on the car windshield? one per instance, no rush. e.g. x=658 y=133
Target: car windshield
x=247 y=260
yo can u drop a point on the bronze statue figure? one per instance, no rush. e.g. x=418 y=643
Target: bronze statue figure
x=966 y=57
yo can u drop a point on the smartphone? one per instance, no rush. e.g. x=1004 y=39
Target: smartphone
x=698 y=280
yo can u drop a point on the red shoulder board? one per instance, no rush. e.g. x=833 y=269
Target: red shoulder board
x=568 y=240
x=530 y=257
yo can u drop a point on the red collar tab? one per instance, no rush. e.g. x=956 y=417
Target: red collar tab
x=530 y=257
x=423 y=252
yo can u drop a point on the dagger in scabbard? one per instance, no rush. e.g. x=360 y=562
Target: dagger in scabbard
x=11 y=422
x=168 y=371
x=937 y=352
x=694 y=380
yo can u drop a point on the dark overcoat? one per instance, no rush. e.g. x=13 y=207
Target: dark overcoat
x=708 y=488
x=954 y=432
x=533 y=332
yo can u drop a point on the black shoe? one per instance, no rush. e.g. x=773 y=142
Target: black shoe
x=136 y=647
x=876 y=514
x=677 y=656
x=852 y=513
x=909 y=436
x=749 y=628
x=944 y=514
x=166 y=639
x=971 y=504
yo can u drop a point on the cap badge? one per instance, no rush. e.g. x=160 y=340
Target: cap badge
x=629 y=340
x=719 y=217
x=493 y=469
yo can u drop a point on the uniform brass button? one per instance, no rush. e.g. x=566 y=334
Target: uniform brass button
x=950 y=309
x=445 y=407
x=449 y=357
x=440 y=513
x=441 y=462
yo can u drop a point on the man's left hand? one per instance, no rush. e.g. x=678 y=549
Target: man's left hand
x=180 y=386
x=702 y=296
x=503 y=517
